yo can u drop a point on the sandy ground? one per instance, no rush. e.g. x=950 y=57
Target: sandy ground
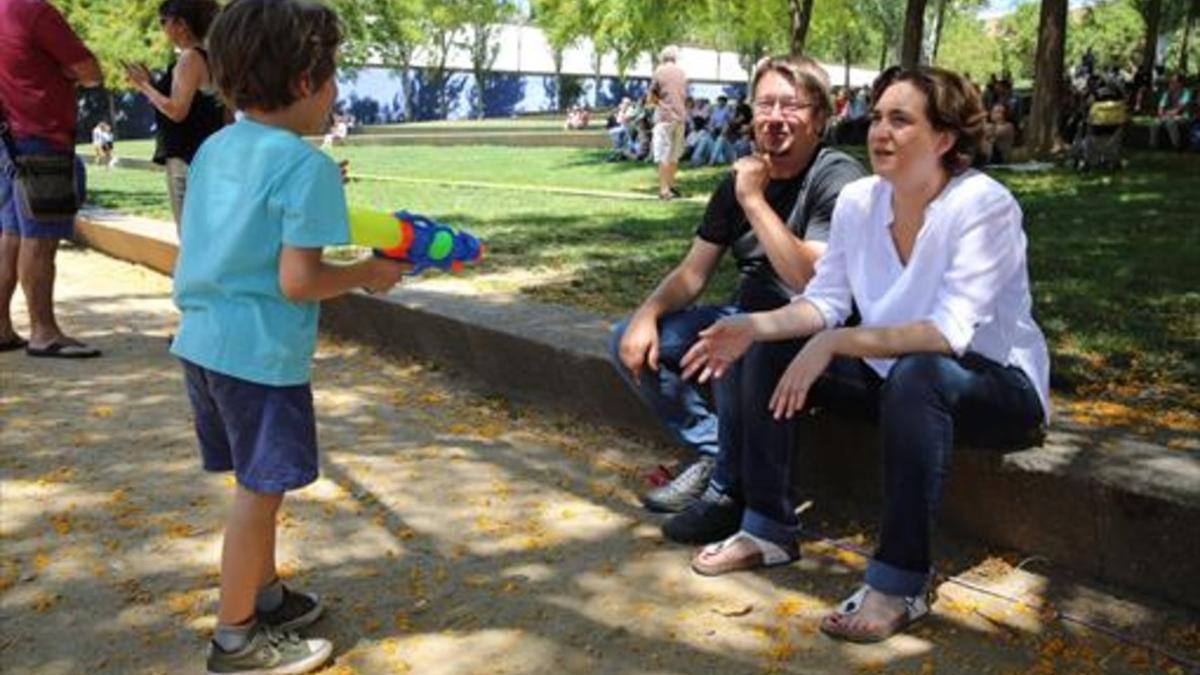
x=450 y=532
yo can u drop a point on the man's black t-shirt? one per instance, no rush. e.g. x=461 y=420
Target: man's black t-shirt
x=725 y=223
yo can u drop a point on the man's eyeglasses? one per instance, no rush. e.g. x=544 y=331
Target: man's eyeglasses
x=789 y=108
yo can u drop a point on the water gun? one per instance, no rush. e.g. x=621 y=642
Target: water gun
x=414 y=239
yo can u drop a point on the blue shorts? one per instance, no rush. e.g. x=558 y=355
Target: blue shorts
x=11 y=219
x=266 y=435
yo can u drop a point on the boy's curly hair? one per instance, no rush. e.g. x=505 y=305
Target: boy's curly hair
x=259 y=50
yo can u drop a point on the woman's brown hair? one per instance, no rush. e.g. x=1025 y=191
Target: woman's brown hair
x=198 y=15
x=952 y=105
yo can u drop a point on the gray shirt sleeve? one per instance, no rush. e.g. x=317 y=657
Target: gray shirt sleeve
x=823 y=192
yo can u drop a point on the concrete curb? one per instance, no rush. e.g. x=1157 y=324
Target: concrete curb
x=1115 y=508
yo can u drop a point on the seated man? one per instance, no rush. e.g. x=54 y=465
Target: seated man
x=772 y=212
x=1173 y=112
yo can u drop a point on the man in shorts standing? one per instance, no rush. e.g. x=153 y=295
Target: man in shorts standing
x=41 y=62
x=669 y=88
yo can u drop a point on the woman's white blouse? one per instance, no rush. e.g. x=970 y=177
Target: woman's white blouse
x=966 y=273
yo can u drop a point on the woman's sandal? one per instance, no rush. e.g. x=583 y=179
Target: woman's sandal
x=742 y=551
x=916 y=607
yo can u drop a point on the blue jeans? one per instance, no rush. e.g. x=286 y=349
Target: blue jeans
x=702 y=150
x=926 y=403
x=723 y=152
x=680 y=405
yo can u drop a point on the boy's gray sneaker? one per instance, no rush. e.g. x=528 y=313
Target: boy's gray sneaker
x=270 y=651
x=297 y=611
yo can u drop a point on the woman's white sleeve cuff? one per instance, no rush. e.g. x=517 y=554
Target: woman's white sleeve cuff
x=832 y=320
x=957 y=333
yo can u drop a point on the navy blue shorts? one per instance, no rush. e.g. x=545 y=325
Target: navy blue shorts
x=266 y=435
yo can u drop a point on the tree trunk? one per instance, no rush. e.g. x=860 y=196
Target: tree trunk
x=480 y=83
x=801 y=14
x=558 y=80
x=597 y=62
x=937 y=33
x=409 y=81
x=846 y=70
x=1150 y=49
x=883 y=51
x=1193 y=14
x=914 y=31
x=1048 y=77
x=112 y=110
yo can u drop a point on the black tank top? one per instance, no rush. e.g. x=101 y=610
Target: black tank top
x=181 y=139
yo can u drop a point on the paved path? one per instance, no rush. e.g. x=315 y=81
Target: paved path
x=451 y=533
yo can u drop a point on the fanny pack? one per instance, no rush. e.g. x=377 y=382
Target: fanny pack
x=47 y=186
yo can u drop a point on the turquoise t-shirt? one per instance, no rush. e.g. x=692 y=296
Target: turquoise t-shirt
x=253 y=188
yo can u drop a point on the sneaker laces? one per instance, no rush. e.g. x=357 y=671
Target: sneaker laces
x=697 y=468
x=278 y=638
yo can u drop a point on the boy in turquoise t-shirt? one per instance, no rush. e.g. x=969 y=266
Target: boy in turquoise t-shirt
x=261 y=204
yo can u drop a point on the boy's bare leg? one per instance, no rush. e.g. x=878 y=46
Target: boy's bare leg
x=269 y=572
x=248 y=549
x=10 y=247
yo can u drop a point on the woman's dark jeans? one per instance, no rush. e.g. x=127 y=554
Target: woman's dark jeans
x=925 y=404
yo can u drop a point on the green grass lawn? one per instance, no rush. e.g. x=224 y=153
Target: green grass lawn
x=560 y=167
x=1113 y=259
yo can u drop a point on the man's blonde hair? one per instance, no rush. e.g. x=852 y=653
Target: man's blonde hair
x=804 y=73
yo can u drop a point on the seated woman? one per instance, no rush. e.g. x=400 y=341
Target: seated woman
x=999 y=135
x=932 y=255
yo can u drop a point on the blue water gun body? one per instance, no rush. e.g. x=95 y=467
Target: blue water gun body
x=414 y=239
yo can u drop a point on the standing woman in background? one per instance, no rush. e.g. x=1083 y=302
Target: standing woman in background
x=187 y=109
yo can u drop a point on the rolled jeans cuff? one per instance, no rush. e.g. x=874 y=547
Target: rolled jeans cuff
x=892 y=580
x=772 y=530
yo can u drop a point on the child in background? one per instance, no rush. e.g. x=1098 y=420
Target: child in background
x=102 y=143
x=261 y=204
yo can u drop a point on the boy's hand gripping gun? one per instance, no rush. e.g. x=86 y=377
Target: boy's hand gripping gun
x=414 y=239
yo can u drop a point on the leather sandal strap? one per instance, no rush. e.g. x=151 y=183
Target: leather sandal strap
x=772 y=553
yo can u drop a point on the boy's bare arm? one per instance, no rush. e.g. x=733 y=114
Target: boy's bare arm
x=303 y=276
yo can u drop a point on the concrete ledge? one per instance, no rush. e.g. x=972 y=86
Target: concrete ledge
x=1115 y=508
x=152 y=243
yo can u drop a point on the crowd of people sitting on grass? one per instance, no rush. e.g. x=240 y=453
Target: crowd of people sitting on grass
x=718 y=133
x=340 y=126
x=578 y=118
x=715 y=133
x=1167 y=98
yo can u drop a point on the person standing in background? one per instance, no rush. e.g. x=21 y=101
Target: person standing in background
x=41 y=63
x=187 y=109
x=669 y=89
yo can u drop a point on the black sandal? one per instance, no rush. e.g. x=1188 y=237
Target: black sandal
x=17 y=342
x=63 y=350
